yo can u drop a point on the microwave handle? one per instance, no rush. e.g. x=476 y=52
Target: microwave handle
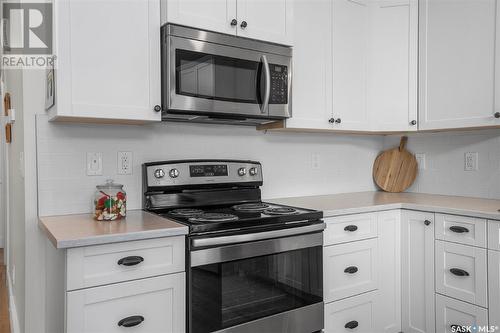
x=267 y=82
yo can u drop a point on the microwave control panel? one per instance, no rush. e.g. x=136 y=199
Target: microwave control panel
x=279 y=84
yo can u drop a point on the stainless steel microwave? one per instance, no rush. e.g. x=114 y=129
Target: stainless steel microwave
x=218 y=78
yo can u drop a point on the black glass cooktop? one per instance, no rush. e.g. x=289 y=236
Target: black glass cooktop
x=246 y=215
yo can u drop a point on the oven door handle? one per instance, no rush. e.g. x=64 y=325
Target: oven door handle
x=267 y=82
x=223 y=240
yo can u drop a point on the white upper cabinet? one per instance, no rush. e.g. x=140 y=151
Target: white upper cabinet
x=457 y=64
x=312 y=65
x=214 y=15
x=269 y=20
x=108 y=60
x=375 y=65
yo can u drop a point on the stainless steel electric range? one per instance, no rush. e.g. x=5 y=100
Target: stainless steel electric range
x=251 y=266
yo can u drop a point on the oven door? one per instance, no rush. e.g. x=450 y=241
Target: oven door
x=208 y=79
x=272 y=285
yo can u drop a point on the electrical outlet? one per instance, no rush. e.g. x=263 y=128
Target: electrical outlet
x=94 y=164
x=315 y=161
x=470 y=161
x=124 y=163
x=420 y=157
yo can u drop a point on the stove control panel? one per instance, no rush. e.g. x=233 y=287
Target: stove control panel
x=201 y=172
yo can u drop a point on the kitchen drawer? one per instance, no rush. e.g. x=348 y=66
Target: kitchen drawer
x=355 y=314
x=468 y=281
x=350 y=228
x=102 y=264
x=494 y=235
x=450 y=312
x=461 y=229
x=159 y=301
x=350 y=269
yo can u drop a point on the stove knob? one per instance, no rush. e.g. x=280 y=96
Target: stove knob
x=253 y=171
x=159 y=173
x=242 y=171
x=173 y=173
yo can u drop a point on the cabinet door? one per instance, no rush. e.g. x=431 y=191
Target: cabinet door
x=150 y=305
x=457 y=64
x=268 y=20
x=453 y=315
x=214 y=15
x=417 y=262
x=312 y=65
x=374 y=64
x=388 y=301
x=108 y=59
x=494 y=287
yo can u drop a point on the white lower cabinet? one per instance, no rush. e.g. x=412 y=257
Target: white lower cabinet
x=494 y=287
x=150 y=305
x=451 y=313
x=417 y=242
x=355 y=314
x=461 y=272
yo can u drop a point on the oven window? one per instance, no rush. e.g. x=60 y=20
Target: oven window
x=215 y=77
x=231 y=293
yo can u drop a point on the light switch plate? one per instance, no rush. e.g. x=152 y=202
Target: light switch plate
x=94 y=164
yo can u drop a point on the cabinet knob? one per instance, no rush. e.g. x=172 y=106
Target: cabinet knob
x=413 y=122
x=427 y=222
x=351 y=228
x=131 y=321
x=234 y=22
x=331 y=120
x=130 y=261
x=458 y=229
x=351 y=325
x=497 y=115
x=244 y=24
x=351 y=270
x=338 y=121
x=157 y=108
x=458 y=272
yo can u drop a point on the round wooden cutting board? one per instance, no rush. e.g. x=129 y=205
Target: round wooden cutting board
x=395 y=169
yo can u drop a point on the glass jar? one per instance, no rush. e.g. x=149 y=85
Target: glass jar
x=110 y=202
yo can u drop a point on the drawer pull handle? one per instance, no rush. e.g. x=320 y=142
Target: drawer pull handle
x=351 y=228
x=351 y=325
x=459 y=230
x=130 y=261
x=351 y=270
x=131 y=321
x=459 y=272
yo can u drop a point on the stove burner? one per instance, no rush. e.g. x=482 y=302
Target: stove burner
x=213 y=217
x=281 y=211
x=186 y=212
x=251 y=207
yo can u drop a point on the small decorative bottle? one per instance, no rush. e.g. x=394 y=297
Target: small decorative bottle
x=110 y=202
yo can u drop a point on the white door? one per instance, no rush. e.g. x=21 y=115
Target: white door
x=312 y=65
x=457 y=64
x=417 y=263
x=108 y=59
x=354 y=314
x=388 y=302
x=151 y=305
x=268 y=20
x=453 y=315
x=350 y=60
x=494 y=287
x=214 y=15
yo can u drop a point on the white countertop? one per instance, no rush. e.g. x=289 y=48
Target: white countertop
x=361 y=202
x=66 y=231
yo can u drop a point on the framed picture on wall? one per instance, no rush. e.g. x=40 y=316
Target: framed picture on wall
x=50 y=89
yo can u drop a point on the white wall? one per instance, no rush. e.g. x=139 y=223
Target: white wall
x=64 y=187
x=445 y=172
